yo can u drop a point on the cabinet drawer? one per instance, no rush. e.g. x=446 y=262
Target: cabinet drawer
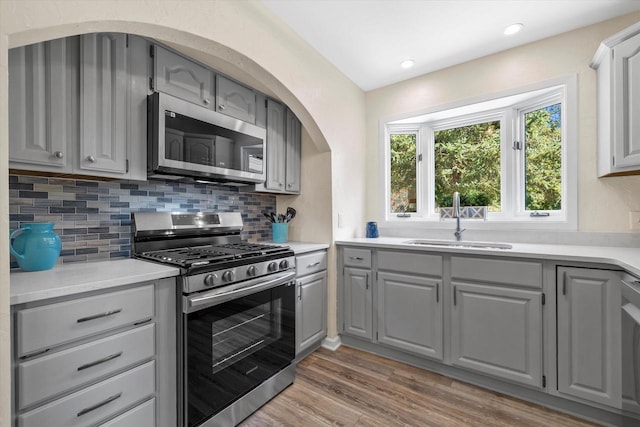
x=43 y=327
x=46 y=376
x=143 y=415
x=513 y=273
x=98 y=402
x=311 y=263
x=410 y=262
x=357 y=257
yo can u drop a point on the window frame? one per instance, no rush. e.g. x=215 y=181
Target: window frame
x=509 y=107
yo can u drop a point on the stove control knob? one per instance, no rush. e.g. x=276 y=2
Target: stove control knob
x=272 y=266
x=228 y=276
x=210 y=279
x=284 y=264
x=251 y=271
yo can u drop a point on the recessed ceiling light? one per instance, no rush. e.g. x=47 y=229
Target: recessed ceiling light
x=512 y=29
x=407 y=63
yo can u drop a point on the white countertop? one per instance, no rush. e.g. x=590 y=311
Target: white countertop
x=626 y=258
x=303 y=247
x=74 y=278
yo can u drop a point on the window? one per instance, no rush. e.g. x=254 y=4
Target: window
x=514 y=154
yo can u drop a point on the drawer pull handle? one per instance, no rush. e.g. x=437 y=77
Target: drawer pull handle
x=356 y=258
x=99 y=405
x=98 y=362
x=315 y=264
x=97 y=316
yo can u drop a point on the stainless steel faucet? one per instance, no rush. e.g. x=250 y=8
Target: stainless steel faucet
x=456 y=215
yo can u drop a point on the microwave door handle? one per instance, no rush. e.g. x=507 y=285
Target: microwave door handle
x=215 y=297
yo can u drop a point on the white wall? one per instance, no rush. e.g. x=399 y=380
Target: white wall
x=247 y=39
x=604 y=204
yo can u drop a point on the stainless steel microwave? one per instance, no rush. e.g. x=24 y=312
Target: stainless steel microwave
x=187 y=140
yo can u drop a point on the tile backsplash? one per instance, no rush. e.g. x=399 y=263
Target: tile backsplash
x=93 y=218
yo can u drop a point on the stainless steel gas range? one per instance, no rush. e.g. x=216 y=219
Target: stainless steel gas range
x=236 y=313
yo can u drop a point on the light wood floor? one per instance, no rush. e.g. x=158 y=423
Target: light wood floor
x=354 y=388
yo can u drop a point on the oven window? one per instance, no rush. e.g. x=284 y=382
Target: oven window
x=233 y=347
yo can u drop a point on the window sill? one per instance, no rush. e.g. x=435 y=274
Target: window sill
x=543 y=223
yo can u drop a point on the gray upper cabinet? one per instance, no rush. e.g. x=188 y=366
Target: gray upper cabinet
x=358 y=314
x=103 y=103
x=588 y=344
x=283 y=150
x=178 y=76
x=235 y=100
x=293 y=145
x=38 y=106
x=276 y=114
x=617 y=62
x=410 y=313
x=78 y=105
x=497 y=331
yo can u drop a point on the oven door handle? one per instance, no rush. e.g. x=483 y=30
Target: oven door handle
x=220 y=295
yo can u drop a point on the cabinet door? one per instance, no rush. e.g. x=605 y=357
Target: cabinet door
x=357 y=302
x=410 y=313
x=497 y=331
x=235 y=100
x=275 y=146
x=588 y=318
x=311 y=312
x=626 y=74
x=293 y=143
x=39 y=94
x=177 y=76
x=103 y=103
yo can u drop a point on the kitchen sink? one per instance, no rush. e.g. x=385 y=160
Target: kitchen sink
x=481 y=245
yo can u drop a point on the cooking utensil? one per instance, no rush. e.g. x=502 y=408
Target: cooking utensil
x=269 y=217
x=291 y=213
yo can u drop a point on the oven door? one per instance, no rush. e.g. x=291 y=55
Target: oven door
x=233 y=339
x=631 y=345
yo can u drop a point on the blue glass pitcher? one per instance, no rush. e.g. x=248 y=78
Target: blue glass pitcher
x=35 y=246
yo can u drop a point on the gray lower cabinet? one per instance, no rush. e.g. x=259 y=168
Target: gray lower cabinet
x=497 y=331
x=311 y=307
x=588 y=311
x=106 y=357
x=358 y=302
x=410 y=313
x=311 y=310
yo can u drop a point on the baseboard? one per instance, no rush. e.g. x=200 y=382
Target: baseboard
x=331 y=343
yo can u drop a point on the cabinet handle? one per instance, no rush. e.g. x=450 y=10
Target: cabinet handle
x=437 y=292
x=99 y=362
x=91 y=159
x=315 y=264
x=97 y=316
x=356 y=258
x=366 y=282
x=99 y=405
x=221 y=107
x=300 y=291
x=58 y=154
x=206 y=101
x=455 y=298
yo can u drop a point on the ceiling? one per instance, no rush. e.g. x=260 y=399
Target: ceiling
x=368 y=39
